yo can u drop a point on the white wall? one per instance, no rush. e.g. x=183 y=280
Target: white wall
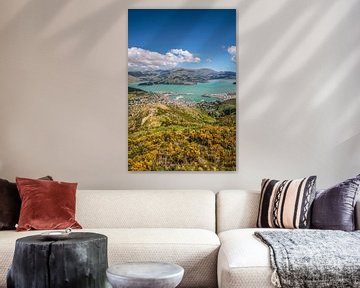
x=63 y=92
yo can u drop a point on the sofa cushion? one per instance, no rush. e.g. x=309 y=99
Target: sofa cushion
x=244 y=261
x=334 y=208
x=153 y=209
x=286 y=204
x=46 y=204
x=194 y=249
x=236 y=209
x=10 y=204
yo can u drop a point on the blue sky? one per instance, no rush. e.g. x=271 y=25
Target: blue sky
x=191 y=38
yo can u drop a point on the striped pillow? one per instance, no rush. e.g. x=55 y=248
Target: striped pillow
x=286 y=204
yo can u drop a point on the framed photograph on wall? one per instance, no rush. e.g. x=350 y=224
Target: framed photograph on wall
x=181 y=89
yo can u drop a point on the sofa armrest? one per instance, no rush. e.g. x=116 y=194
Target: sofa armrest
x=357 y=215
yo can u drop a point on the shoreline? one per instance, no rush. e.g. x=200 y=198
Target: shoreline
x=163 y=97
x=214 y=91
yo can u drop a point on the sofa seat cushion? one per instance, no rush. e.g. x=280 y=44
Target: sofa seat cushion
x=194 y=249
x=244 y=261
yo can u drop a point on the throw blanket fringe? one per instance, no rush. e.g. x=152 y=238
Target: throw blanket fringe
x=275 y=280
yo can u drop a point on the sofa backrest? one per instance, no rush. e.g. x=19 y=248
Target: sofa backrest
x=236 y=209
x=146 y=209
x=239 y=209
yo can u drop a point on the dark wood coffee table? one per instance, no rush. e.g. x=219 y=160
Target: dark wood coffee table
x=78 y=261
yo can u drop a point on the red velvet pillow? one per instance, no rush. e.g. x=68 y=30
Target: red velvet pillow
x=46 y=204
x=10 y=204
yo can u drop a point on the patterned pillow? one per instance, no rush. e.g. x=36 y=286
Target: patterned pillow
x=286 y=204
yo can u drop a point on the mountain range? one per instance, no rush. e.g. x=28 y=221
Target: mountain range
x=180 y=76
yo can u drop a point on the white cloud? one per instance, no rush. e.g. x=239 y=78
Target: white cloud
x=232 y=51
x=140 y=59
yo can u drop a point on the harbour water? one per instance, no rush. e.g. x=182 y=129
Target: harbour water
x=192 y=93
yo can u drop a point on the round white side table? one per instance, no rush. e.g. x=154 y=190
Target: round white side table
x=145 y=275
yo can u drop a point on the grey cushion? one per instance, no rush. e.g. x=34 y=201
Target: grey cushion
x=334 y=208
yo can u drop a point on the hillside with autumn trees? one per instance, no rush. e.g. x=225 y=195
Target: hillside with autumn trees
x=167 y=136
